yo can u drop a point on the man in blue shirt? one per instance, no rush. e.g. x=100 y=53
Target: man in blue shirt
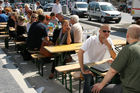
x=3 y=17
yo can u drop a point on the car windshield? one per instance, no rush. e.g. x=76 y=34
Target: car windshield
x=82 y=5
x=107 y=8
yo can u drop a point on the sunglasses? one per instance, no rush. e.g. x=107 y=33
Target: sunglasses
x=106 y=31
x=34 y=17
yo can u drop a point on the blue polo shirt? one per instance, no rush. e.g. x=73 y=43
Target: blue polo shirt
x=3 y=18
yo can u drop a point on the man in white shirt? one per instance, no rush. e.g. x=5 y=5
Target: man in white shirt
x=1 y=5
x=57 y=8
x=76 y=28
x=94 y=49
x=7 y=4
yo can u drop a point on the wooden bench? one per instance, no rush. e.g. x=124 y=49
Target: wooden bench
x=67 y=69
x=4 y=36
x=39 y=63
x=78 y=75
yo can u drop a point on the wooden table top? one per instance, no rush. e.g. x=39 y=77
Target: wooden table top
x=76 y=66
x=3 y=23
x=12 y=29
x=63 y=48
x=67 y=68
x=3 y=26
x=117 y=42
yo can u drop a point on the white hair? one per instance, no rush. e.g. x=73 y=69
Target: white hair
x=26 y=5
x=75 y=18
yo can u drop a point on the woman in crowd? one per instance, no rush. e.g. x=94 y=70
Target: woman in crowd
x=12 y=22
x=26 y=9
x=21 y=29
x=32 y=20
x=39 y=11
x=49 y=25
x=28 y=16
x=62 y=36
x=53 y=19
x=8 y=10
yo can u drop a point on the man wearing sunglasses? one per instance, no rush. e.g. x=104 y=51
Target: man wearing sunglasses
x=94 y=49
x=127 y=63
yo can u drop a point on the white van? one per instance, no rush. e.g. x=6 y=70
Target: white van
x=103 y=11
x=135 y=12
x=79 y=8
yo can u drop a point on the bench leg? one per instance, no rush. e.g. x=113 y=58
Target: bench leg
x=70 y=78
x=66 y=81
x=42 y=64
x=62 y=79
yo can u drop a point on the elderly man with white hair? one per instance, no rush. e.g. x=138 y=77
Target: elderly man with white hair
x=76 y=28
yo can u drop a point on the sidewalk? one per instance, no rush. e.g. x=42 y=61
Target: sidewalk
x=29 y=73
x=11 y=80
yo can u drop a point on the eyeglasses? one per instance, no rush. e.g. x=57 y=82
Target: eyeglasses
x=106 y=31
x=34 y=17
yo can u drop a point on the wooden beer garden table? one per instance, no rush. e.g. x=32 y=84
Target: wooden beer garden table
x=63 y=48
x=119 y=43
x=3 y=26
x=3 y=23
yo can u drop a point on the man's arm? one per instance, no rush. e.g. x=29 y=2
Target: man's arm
x=110 y=74
x=80 y=57
x=69 y=36
x=111 y=51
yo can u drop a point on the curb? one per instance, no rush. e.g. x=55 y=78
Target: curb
x=112 y=27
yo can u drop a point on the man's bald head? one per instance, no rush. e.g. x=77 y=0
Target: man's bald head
x=134 y=32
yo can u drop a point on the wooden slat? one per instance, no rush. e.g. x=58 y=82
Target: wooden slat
x=117 y=42
x=76 y=66
x=4 y=36
x=63 y=48
x=3 y=26
x=67 y=68
x=12 y=29
x=97 y=63
x=77 y=75
x=3 y=23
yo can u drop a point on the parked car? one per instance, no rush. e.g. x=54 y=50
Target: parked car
x=48 y=6
x=135 y=10
x=79 y=8
x=103 y=11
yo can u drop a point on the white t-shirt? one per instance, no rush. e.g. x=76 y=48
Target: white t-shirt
x=94 y=49
x=28 y=27
x=77 y=29
x=57 y=8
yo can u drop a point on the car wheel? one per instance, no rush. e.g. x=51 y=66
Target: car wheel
x=89 y=18
x=117 y=21
x=102 y=19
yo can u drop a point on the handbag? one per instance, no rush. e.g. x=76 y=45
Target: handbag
x=43 y=51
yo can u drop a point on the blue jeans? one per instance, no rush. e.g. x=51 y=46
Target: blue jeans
x=88 y=81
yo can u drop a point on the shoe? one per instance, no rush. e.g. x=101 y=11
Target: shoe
x=51 y=76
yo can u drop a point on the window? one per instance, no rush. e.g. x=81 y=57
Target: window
x=107 y=8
